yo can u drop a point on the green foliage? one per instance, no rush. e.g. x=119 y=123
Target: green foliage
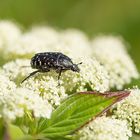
x=75 y=111
x=135 y=82
x=135 y=137
x=15 y=132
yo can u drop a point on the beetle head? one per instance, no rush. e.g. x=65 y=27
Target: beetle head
x=75 y=67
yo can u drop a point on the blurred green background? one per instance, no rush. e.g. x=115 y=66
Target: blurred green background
x=118 y=17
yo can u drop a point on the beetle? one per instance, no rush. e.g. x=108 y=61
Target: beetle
x=46 y=61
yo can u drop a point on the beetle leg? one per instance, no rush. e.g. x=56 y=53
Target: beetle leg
x=31 y=74
x=59 y=71
x=59 y=74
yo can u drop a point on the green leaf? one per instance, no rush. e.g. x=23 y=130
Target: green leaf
x=77 y=110
x=135 y=137
x=15 y=132
x=27 y=123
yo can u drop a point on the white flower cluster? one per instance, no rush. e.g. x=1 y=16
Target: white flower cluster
x=71 y=42
x=15 y=102
x=42 y=39
x=92 y=76
x=129 y=109
x=74 y=43
x=17 y=70
x=110 y=51
x=105 y=128
x=6 y=85
x=45 y=85
x=9 y=33
x=35 y=41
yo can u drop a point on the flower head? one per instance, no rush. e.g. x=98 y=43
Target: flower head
x=43 y=84
x=9 y=33
x=6 y=85
x=46 y=85
x=105 y=128
x=26 y=46
x=15 y=102
x=16 y=70
x=92 y=76
x=74 y=43
x=46 y=34
x=110 y=51
x=38 y=39
x=129 y=109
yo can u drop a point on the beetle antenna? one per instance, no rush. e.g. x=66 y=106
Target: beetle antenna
x=25 y=66
x=79 y=63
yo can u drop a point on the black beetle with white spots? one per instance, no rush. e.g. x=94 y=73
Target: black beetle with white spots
x=46 y=61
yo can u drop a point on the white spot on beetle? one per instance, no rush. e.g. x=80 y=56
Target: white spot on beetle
x=35 y=63
x=40 y=63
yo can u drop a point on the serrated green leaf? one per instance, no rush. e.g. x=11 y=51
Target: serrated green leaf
x=75 y=111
